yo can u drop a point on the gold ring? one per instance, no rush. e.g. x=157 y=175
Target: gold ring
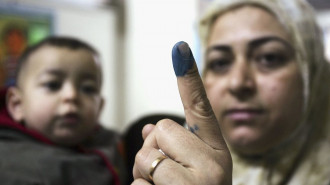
x=154 y=165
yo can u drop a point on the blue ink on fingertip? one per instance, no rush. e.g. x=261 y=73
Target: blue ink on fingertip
x=182 y=58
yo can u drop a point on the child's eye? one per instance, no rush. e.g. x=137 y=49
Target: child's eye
x=220 y=65
x=89 y=89
x=52 y=85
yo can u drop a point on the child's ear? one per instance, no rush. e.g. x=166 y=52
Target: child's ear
x=14 y=103
x=101 y=104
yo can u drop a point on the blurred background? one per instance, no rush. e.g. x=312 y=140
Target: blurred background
x=134 y=38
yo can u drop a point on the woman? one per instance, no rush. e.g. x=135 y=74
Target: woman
x=267 y=80
x=268 y=83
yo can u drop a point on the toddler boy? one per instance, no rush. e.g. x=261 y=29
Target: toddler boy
x=49 y=131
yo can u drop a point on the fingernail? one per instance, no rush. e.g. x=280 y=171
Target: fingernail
x=182 y=58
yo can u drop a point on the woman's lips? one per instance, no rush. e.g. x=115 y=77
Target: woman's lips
x=243 y=114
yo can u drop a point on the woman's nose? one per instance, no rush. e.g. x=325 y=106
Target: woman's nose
x=241 y=81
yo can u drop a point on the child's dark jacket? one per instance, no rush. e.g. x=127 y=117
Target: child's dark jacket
x=28 y=158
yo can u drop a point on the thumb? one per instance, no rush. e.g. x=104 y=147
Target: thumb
x=198 y=111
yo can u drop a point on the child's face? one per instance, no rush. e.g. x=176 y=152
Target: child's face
x=59 y=94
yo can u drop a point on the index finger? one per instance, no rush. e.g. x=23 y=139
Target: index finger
x=198 y=111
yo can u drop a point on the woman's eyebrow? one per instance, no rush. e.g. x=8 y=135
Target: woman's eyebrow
x=219 y=47
x=259 y=41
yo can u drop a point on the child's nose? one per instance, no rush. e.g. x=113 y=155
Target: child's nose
x=69 y=93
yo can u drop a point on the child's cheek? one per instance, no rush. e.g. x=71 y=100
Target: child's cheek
x=40 y=115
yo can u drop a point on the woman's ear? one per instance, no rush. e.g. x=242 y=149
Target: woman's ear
x=14 y=103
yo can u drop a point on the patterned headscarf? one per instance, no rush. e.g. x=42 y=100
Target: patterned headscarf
x=304 y=157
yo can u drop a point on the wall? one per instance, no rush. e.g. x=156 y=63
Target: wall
x=324 y=21
x=153 y=27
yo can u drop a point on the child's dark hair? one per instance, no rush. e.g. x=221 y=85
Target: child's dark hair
x=66 y=42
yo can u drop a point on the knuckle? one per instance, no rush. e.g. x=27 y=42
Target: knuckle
x=203 y=108
x=165 y=125
x=142 y=155
x=199 y=103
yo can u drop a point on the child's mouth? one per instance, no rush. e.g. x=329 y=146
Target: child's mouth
x=71 y=118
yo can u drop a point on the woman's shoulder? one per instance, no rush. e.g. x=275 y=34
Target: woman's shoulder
x=314 y=167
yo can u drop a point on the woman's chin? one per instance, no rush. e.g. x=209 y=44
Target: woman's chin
x=247 y=141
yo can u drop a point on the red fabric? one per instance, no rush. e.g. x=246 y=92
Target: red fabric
x=6 y=121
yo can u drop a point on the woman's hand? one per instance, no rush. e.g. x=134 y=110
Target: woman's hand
x=198 y=156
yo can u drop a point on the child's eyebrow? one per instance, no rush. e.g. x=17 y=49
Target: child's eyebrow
x=54 y=72
x=89 y=76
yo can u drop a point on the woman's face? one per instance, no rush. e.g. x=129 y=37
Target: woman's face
x=252 y=79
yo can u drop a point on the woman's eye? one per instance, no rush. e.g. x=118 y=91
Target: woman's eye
x=219 y=65
x=271 y=60
x=52 y=85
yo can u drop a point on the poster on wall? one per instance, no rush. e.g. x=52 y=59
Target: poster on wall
x=322 y=8
x=325 y=26
x=20 y=26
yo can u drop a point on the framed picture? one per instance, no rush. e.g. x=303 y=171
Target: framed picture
x=324 y=22
x=20 y=26
x=327 y=42
x=320 y=4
